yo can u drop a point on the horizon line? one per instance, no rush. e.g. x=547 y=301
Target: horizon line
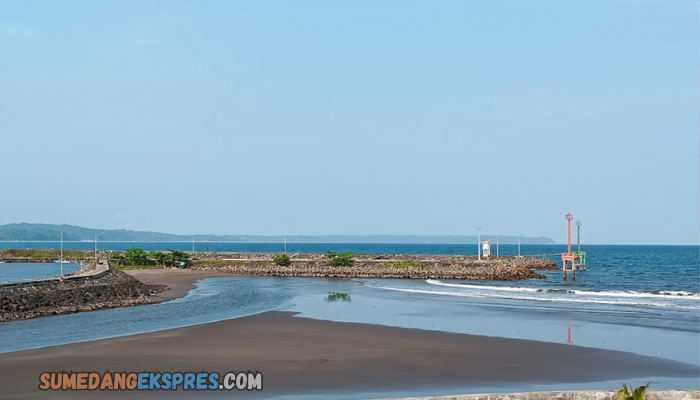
x=246 y=242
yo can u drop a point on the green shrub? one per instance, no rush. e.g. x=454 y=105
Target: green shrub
x=117 y=258
x=626 y=393
x=136 y=256
x=171 y=258
x=160 y=258
x=282 y=260
x=339 y=259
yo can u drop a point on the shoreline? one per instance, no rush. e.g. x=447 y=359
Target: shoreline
x=102 y=288
x=178 y=281
x=84 y=296
x=302 y=356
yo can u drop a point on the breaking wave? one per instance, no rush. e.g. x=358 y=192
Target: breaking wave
x=672 y=299
x=651 y=294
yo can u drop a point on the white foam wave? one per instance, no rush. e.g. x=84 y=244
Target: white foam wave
x=550 y=299
x=676 y=295
x=465 y=286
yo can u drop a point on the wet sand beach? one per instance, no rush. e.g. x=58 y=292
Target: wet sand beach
x=305 y=356
x=179 y=281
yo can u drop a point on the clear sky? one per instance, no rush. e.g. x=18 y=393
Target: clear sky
x=354 y=117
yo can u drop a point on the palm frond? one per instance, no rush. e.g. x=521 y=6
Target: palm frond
x=640 y=392
x=623 y=394
x=627 y=393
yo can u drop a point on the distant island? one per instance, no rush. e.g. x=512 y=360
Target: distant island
x=71 y=233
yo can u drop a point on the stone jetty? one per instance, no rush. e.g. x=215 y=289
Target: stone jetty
x=50 y=297
x=44 y=256
x=379 y=266
x=107 y=287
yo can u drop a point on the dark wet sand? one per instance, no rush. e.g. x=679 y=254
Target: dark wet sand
x=305 y=356
x=179 y=281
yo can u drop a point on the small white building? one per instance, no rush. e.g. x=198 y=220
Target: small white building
x=486 y=248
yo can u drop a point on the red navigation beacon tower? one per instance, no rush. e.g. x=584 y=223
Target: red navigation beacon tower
x=568 y=259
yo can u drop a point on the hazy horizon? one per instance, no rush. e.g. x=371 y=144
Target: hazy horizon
x=290 y=238
x=357 y=118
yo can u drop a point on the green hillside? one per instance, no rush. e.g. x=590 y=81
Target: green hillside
x=48 y=232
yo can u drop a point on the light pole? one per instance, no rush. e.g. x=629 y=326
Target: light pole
x=96 y=235
x=285 y=244
x=478 y=243
x=496 y=245
x=519 y=236
x=61 y=255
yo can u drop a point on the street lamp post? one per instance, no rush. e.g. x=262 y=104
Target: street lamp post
x=478 y=243
x=61 y=255
x=496 y=245
x=96 y=235
x=519 y=236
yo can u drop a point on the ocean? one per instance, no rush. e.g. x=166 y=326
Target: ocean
x=640 y=299
x=648 y=273
x=16 y=272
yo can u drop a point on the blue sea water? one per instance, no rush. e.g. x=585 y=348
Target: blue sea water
x=640 y=299
x=15 y=272
x=669 y=270
x=647 y=330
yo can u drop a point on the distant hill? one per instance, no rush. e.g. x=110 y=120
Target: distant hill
x=48 y=232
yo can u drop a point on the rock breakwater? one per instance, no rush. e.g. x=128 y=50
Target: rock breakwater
x=45 y=256
x=43 y=298
x=380 y=266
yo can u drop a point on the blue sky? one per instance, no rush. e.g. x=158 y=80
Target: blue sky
x=361 y=117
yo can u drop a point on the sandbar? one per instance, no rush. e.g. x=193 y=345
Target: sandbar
x=304 y=356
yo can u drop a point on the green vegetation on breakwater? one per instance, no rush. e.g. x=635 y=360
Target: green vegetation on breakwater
x=282 y=260
x=339 y=259
x=405 y=265
x=378 y=266
x=9 y=254
x=137 y=258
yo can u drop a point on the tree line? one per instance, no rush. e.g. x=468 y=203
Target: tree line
x=135 y=256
